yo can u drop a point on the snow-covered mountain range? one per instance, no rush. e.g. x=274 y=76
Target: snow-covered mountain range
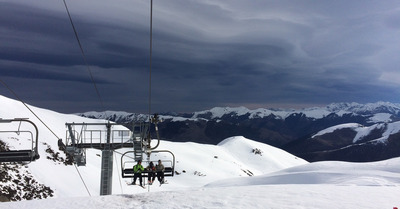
x=339 y=131
x=378 y=112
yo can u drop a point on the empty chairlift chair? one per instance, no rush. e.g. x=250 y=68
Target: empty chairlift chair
x=27 y=148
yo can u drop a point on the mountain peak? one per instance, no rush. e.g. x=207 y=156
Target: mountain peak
x=369 y=108
x=218 y=112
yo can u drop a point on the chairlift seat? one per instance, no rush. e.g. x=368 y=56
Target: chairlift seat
x=128 y=172
x=18 y=156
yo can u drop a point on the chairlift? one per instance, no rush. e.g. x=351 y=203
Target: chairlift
x=21 y=155
x=128 y=161
x=142 y=145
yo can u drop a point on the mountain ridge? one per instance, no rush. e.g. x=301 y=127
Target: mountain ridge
x=219 y=112
x=290 y=129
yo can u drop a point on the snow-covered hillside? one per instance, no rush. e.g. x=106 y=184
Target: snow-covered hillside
x=196 y=164
x=362 y=131
x=236 y=173
x=328 y=185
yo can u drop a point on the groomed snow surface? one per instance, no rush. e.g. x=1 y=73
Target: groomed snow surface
x=325 y=185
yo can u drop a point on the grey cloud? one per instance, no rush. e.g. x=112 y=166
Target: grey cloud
x=205 y=53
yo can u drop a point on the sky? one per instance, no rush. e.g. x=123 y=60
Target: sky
x=205 y=54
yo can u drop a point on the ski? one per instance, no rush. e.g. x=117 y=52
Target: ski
x=165 y=182
x=132 y=184
x=140 y=186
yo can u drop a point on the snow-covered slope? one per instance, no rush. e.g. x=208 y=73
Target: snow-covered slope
x=328 y=185
x=55 y=121
x=48 y=171
x=362 y=131
x=200 y=164
x=276 y=158
x=197 y=164
x=382 y=173
x=236 y=173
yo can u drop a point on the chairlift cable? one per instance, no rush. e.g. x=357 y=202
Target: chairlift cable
x=84 y=56
x=91 y=77
x=83 y=181
x=15 y=94
x=151 y=55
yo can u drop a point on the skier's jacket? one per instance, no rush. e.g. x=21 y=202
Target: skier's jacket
x=138 y=168
x=151 y=169
x=160 y=167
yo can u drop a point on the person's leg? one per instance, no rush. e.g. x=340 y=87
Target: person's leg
x=140 y=179
x=162 y=177
x=159 y=176
x=134 y=178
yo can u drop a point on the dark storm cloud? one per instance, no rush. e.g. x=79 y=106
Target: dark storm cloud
x=45 y=37
x=31 y=35
x=32 y=72
x=21 y=18
x=205 y=53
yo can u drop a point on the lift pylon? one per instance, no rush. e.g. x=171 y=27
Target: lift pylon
x=102 y=136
